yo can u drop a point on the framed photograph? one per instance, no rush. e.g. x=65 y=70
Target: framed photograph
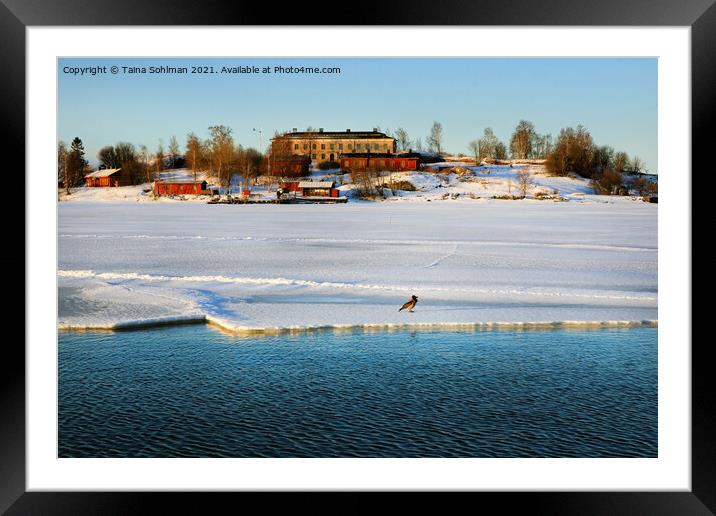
x=397 y=256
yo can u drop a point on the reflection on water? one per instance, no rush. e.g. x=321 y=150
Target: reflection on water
x=193 y=392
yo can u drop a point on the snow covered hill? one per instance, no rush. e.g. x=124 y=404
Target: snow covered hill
x=481 y=183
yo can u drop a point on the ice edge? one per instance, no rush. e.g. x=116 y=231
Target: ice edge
x=387 y=327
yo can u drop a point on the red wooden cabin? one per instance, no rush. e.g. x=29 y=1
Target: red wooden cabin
x=180 y=187
x=107 y=177
x=317 y=189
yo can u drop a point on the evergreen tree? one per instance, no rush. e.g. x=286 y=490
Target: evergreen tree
x=62 y=155
x=76 y=163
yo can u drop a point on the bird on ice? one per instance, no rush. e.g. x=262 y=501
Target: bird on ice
x=410 y=304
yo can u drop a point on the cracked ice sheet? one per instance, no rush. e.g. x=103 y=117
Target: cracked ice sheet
x=281 y=266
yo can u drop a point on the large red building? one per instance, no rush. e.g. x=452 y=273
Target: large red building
x=180 y=187
x=290 y=167
x=357 y=162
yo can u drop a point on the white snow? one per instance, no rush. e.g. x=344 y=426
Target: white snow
x=474 y=263
x=482 y=182
x=137 y=193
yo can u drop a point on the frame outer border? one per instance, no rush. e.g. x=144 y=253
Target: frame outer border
x=15 y=15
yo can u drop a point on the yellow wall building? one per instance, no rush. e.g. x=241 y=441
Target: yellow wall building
x=322 y=146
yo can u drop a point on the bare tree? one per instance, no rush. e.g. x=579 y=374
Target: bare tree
x=476 y=150
x=621 y=162
x=522 y=140
x=403 y=139
x=609 y=182
x=573 y=152
x=281 y=159
x=159 y=160
x=173 y=151
x=488 y=143
x=194 y=152
x=642 y=185
x=253 y=163
x=143 y=158
x=222 y=153
x=524 y=181
x=542 y=146
x=367 y=182
x=602 y=158
x=435 y=140
x=636 y=165
x=107 y=157
x=125 y=152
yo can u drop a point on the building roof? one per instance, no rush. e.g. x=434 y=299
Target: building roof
x=292 y=158
x=105 y=172
x=315 y=184
x=378 y=155
x=180 y=181
x=317 y=135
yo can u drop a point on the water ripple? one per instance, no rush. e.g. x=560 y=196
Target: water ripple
x=191 y=392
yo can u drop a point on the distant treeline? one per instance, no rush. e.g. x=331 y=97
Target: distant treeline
x=217 y=155
x=573 y=152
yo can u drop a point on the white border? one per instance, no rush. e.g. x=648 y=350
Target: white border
x=671 y=471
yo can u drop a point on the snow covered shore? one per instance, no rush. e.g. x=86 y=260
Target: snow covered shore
x=477 y=263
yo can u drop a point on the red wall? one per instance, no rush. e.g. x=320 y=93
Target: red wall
x=178 y=188
x=290 y=168
x=291 y=186
x=117 y=179
x=397 y=164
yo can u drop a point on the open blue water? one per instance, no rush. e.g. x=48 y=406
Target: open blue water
x=191 y=391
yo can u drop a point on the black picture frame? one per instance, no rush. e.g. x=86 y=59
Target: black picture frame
x=17 y=15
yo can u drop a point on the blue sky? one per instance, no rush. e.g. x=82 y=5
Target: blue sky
x=616 y=99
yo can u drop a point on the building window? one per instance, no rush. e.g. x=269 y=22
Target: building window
x=313 y=146
x=358 y=145
x=313 y=156
x=323 y=146
x=332 y=146
x=323 y=156
x=340 y=146
x=295 y=146
x=385 y=146
x=305 y=146
x=350 y=146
